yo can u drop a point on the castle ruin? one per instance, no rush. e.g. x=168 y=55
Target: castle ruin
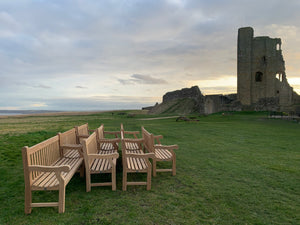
x=262 y=82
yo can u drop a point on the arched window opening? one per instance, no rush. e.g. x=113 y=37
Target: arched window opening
x=258 y=76
x=279 y=77
x=264 y=60
x=277 y=46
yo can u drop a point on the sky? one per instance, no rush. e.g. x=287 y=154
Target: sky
x=87 y=55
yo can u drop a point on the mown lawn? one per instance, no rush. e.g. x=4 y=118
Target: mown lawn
x=241 y=168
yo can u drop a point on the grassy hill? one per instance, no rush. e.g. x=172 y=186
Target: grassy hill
x=239 y=168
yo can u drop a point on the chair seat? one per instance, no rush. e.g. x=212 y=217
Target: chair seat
x=100 y=165
x=136 y=164
x=163 y=154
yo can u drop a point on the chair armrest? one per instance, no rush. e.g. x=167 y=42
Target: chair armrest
x=116 y=133
x=157 y=137
x=143 y=156
x=134 y=133
x=111 y=140
x=168 y=147
x=71 y=146
x=83 y=135
x=64 y=168
x=132 y=140
x=104 y=156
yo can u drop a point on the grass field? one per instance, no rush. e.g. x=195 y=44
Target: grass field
x=241 y=168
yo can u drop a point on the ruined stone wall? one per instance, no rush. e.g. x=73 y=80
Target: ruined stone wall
x=193 y=92
x=261 y=71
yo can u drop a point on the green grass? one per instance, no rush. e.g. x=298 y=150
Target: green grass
x=241 y=168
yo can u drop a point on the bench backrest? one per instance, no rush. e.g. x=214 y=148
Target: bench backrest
x=44 y=153
x=100 y=132
x=68 y=137
x=148 y=140
x=89 y=147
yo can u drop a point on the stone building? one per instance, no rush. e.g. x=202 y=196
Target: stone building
x=262 y=82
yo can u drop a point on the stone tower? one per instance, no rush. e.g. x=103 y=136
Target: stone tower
x=261 y=71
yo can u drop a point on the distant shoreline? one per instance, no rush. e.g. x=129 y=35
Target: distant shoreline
x=24 y=113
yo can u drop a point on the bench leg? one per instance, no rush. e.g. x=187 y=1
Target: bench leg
x=82 y=170
x=62 y=195
x=174 y=165
x=88 y=181
x=113 y=178
x=154 y=167
x=28 y=200
x=124 y=179
x=149 y=178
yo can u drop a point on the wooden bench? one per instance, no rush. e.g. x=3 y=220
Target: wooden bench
x=69 y=147
x=161 y=152
x=107 y=144
x=98 y=162
x=135 y=161
x=136 y=146
x=46 y=168
x=68 y=144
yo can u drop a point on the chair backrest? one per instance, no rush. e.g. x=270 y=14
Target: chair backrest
x=82 y=130
x=100 y=132
x=148 y=140
x=68 y=137
x=44 y=153
x=89 y=147
x=122 y=131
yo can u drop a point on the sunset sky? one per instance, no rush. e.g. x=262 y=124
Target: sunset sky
x=125 y=54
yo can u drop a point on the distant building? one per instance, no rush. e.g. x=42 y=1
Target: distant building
x=262 y=82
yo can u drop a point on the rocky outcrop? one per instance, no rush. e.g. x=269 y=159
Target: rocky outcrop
x=191 y=100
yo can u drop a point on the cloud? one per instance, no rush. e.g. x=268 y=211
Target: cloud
x=142 y=79
x=83 y=48
x=81 y=87
x=42 y=86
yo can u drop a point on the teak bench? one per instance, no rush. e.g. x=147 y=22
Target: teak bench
x=161 y=152
x=107 y=144
x=131 y=145
x=82 y=132
x=135 y=160
x=46 y=168
x=98 y=162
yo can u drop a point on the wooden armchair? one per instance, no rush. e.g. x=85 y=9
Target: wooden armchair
x=98 y=162
x=131 y=134
x=161 y=152
x=135 y=161
x=82 y=132
x=104 y=144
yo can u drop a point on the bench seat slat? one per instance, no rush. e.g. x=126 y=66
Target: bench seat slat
x=163 y=154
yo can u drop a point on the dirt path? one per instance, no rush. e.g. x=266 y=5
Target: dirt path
x=159 y=118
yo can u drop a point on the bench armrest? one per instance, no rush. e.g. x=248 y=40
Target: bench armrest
x=157 y=137
x=83 y=135
x=116 y=133
x=131 y=140
x=168 y=147
x=134 y=133
x=143 y=156
x=71 y=146
x=64 y=168
x=111 y=140
x=104 y=156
